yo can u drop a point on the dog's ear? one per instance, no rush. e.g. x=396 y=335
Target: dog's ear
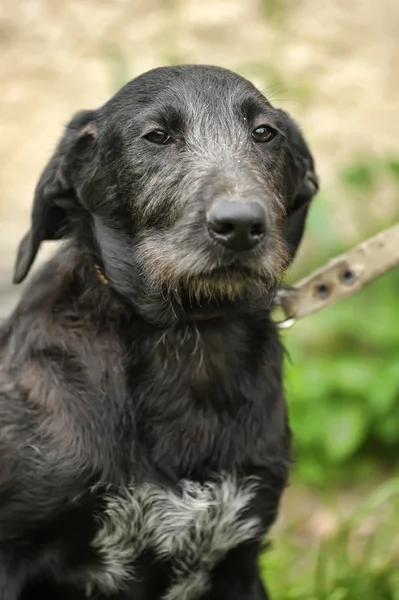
x=56 y=194
x=302 y=185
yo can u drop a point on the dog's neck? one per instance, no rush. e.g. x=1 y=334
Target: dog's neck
x=192 y=311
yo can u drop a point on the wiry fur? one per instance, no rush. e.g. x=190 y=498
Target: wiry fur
x=144 y=440
x=192 y=528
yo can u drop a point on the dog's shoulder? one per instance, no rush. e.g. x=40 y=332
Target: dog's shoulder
x=61 y=366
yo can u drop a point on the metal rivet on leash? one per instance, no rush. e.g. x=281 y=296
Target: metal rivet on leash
x=323 y=290
x=347 y=277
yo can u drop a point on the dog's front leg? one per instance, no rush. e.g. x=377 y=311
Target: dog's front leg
x=236 y=590
x=10 y=583
x=237 y=577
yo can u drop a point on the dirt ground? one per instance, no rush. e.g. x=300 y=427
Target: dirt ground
x=332 y=64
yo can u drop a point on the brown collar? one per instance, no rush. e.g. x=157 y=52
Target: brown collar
x=206 y=316
x=104 y=280
x=338 y=279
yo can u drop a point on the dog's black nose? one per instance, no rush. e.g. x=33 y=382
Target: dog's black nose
x=237 y=225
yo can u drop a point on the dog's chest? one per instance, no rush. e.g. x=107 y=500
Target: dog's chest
x=193 y=419
x=198 y=410
x=197 y=358
x=190 y=529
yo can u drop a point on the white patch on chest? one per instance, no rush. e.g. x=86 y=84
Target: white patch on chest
x=193 y=529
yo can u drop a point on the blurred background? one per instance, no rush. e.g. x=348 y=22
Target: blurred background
x=334 y=66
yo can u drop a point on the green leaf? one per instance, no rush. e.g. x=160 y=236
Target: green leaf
x=359 y=176
x=383 y=398
x=344 y=432
x=393 y=167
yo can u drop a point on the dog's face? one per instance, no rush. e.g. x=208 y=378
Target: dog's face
x=191 y=183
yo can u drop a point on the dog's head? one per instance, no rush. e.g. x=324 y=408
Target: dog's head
x=189 y=184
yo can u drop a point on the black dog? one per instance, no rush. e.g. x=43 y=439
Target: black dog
x=143 y=433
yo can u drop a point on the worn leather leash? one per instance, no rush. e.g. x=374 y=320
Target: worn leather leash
x=340 y=278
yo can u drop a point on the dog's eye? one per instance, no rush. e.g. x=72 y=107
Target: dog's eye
x=263 y=134
x=158 y=137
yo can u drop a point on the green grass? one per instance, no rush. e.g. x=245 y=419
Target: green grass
x=360 y=562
